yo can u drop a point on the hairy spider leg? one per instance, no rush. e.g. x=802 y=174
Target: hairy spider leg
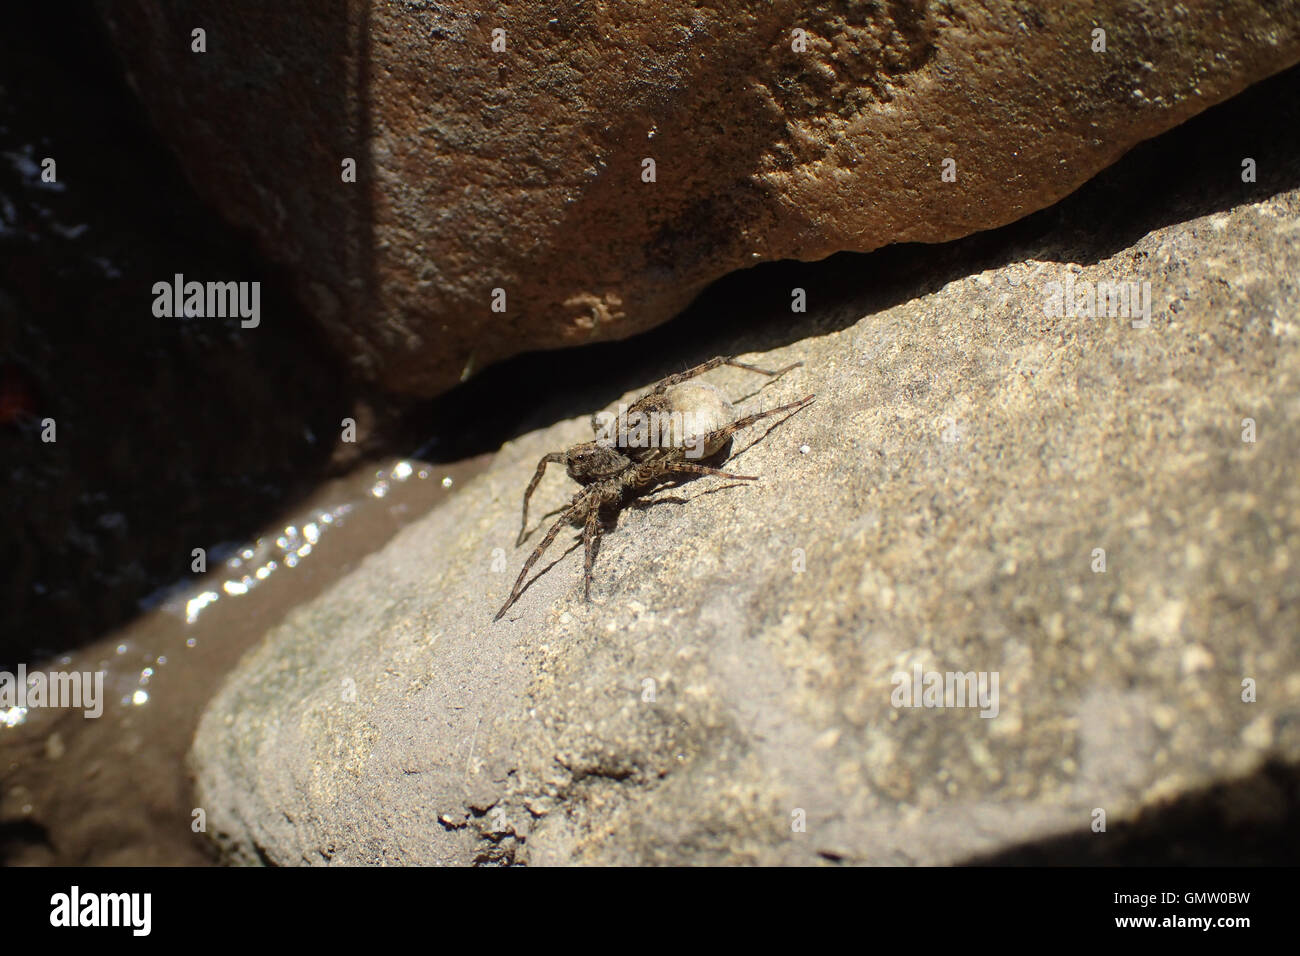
x=554 y=457
x=715 y=362
x=590 y=538
x=580 y=501
x=740 y=423
x=657 y=468
x=694 y=469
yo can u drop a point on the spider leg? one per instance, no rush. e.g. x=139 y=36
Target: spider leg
x=775 y=373
x=556 y=457
x=715 y=362
x=579 y=503
x=727 y=430
x=694 y=469
x=591 y=541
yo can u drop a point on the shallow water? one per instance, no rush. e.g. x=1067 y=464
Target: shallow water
x=115 y=789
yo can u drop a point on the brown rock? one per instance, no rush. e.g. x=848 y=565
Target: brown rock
x=522 y=169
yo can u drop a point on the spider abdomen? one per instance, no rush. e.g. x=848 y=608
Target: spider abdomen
x=678 y=421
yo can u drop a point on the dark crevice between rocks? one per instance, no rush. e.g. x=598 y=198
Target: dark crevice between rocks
x=1250 y=821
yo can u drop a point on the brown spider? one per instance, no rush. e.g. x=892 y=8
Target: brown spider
x=646 y=443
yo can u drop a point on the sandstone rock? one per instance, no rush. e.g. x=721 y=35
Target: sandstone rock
x=522 y=169
x=967 y=461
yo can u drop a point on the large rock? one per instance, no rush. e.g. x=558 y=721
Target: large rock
x=967 y=460
x=522 y=170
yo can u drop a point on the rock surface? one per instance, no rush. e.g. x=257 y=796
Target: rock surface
x=940 y=505
x=522 y=169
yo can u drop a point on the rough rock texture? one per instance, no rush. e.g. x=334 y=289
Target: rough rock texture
x=522 y=170
x=966 y=455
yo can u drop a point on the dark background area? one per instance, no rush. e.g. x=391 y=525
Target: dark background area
x=172 y=434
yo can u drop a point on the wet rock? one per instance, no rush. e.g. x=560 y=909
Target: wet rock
x=502 y=201
x=1102 y=517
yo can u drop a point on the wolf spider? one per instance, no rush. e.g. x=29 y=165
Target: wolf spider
x=614 y=471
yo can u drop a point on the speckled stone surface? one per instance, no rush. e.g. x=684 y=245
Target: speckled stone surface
x=941 y=505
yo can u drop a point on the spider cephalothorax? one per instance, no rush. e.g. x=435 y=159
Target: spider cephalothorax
x=666 y=434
